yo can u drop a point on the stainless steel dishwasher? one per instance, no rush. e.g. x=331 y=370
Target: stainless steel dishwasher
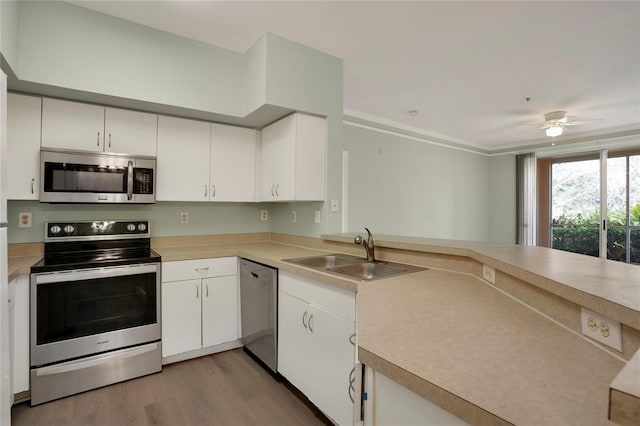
x=259 y=311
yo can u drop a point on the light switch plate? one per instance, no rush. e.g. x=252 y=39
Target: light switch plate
x=602 y=329
x=184 y=217
x=294 y=216
x=334 y=205
x=316 y=216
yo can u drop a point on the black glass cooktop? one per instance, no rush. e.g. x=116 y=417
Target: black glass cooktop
x=94 y=244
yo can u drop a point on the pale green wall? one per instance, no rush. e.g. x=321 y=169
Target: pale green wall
x=416 y=188
x=72 y=47
x=204 y=218
x=502 y=223
x=256 y=75
x=9 y=33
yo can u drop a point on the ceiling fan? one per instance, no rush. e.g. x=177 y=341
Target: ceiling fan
x=556 y=121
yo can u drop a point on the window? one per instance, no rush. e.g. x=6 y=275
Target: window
x=591 y=204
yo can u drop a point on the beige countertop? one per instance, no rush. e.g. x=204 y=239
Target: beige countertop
x=612 y=288
x=451 y=336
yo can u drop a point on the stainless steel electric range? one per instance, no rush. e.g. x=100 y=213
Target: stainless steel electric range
x=95 y=307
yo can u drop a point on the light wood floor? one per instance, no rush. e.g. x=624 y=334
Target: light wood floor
x=228 y=388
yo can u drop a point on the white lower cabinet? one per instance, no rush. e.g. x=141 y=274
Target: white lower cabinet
x=315 y=324
x=389 y=403
x=201 y=309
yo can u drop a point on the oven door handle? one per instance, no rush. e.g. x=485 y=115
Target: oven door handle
x=90 y=274
x=94 y=360
x=130 y=181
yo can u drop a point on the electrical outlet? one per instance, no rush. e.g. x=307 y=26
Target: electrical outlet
x=489 y=274
x=316 y=216
x=294 y=216
x=264 y=215
x=184 y=217
x=602 y=329
x=24 y=220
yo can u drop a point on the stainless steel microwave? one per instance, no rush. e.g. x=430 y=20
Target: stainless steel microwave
x=86 y=177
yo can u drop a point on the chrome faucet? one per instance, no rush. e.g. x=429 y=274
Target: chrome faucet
x=368 y=245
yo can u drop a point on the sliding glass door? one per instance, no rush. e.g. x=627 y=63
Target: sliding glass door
x=623 y=208
x=585 y=191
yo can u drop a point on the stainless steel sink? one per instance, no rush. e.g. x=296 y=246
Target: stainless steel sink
x=354 y=267
x=326 y=261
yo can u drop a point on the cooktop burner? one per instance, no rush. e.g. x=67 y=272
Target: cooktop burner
x=92 y=244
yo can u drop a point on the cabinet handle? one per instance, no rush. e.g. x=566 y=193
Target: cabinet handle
x=272 y=189
x=206 y=286
x=33 y=181
x=304 y=317
x=205 y=191
x=213 y=190
x=352 y=339
x=98 y=140
x=277 y=186
x=311 y=323
x=109 y=140
x=197 y=292
x=352 y=380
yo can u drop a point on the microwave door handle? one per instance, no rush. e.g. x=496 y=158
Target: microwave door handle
x=130 y=181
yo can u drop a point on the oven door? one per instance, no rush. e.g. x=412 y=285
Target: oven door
x=88 y=311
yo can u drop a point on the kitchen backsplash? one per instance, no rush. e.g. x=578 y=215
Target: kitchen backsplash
x=203 y=218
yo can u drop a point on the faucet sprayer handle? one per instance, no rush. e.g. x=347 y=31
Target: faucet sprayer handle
x=358 y=239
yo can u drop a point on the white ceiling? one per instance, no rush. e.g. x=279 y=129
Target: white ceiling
x=467 y=67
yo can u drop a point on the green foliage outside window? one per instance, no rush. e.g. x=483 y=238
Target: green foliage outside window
x=580 y=234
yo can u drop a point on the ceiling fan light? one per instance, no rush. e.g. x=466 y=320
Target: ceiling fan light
x=554 y=131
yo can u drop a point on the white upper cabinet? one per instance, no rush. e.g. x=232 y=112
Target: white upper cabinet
x=233 y=163
x=23 y=147
x=85 y=127
x=199 y=161
x=72 y=125
x=293 y=160
x=183 y=159
x=130 y=132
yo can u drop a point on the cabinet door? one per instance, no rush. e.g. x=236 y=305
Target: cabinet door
x=331 y=361
x=277 y=160
x=310 y=167
x=233 y=163
x=23 y=147
x=219 y=310
x=21 y=335
x=130 y=132
x=294 y=341
x=183 y=159
x=72 y=125
x=181 y=313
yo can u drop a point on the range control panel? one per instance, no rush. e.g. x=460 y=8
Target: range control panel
x=98 y=229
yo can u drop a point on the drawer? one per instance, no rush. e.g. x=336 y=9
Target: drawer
x=331 y=298
x=199 y=268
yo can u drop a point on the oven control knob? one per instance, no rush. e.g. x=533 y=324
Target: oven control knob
x=131 y=227
x=142 y=227
x=55 y=229
x=69 y=229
